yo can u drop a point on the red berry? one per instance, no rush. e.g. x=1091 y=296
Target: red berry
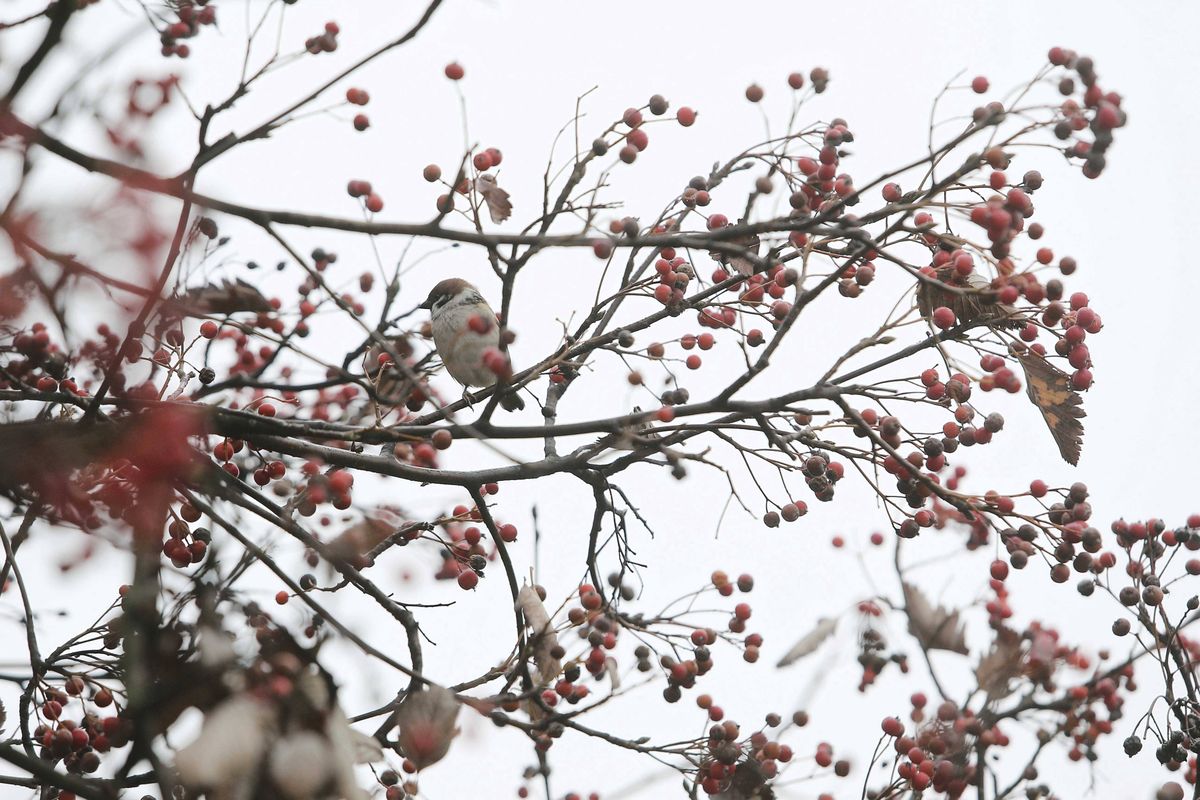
x=685 y=116
x=281 y=598
x=979 y=85
x=208 y=329
x=374 y=203
x=943 y=317
x=454 y=71
x=468 y=579
x=361 y=122
x=432 y=173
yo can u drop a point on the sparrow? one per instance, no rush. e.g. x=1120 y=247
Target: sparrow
x=967 y=307
x=466 y=335
x=741 y=264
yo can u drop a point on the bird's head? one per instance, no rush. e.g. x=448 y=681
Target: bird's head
x=447 y=291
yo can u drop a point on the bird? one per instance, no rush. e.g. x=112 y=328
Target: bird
x=1048 y=387
x=466 y=335
x=978 y=303
x=741 y=264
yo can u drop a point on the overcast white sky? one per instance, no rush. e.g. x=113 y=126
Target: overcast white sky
x=526 y=64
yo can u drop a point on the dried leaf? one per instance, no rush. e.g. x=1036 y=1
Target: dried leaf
x=1050 y=390
x=545 y=640
x=811 y=641
x=426 y=722
x=499 y=206
x=1000 y=665
x=935 y=627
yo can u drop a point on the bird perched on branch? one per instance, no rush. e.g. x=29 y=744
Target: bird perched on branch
x=741 y=264
x=977 y=303
x=466 y=334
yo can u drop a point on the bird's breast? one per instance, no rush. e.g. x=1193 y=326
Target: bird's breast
x=461 y=348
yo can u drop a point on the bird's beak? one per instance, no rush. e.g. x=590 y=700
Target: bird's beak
x=427 y=305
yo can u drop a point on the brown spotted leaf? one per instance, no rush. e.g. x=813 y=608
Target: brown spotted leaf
x=499 y=206
x=933 y=626
x=1000 y=665
x=1050 y=390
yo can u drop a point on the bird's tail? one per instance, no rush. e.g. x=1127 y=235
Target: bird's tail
x=511 y=400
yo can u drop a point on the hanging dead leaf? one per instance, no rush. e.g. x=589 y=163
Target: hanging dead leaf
x=544 y=639
x=1050 y=390
x=613 y=671
x=426 y=721
x=812 y=640
x=222 y=298
x=1000 y=665
x=499 y=206
x=935 y=627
